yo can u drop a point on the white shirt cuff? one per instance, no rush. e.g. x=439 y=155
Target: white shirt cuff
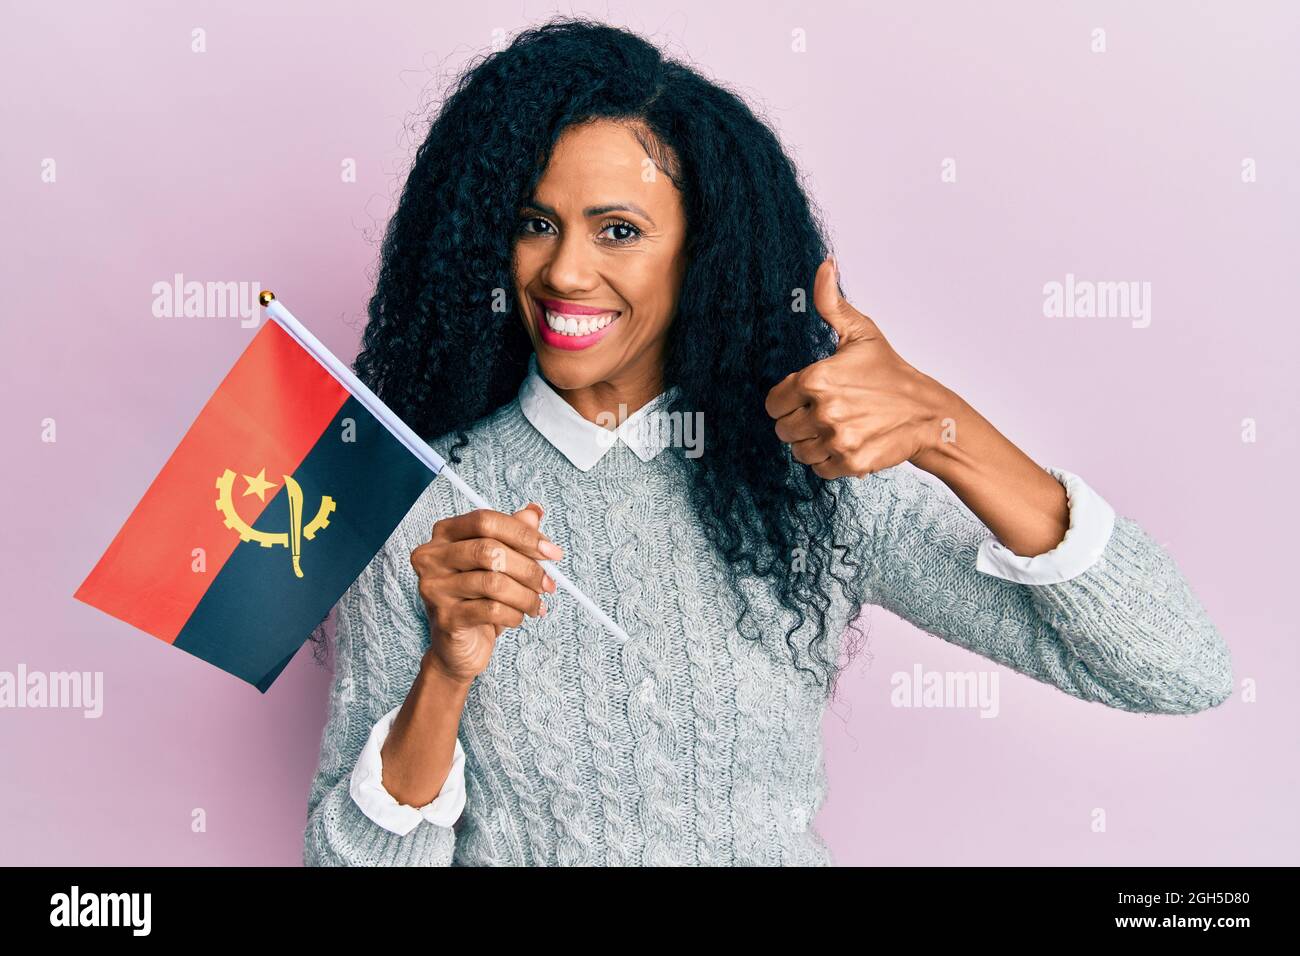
x=1092 y=520
x=367 y=787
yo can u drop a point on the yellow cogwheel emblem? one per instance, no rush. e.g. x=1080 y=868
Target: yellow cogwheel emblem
x=291 y=539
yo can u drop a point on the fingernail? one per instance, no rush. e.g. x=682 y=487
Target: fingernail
x=543 y=614
x=547 y=582
x=550 y=549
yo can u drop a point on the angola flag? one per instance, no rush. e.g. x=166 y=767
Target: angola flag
x=277 y=497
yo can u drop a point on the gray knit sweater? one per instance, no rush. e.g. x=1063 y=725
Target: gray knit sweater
x=692 y=744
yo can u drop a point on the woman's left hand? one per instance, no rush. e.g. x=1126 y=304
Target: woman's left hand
x=864 y=408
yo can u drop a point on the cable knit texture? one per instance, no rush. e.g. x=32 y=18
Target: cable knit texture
x=690 y=744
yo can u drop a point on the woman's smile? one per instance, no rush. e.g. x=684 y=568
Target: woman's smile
x=570 y=326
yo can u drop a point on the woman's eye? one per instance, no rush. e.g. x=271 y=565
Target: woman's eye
x=523 y=225
x=631 y=231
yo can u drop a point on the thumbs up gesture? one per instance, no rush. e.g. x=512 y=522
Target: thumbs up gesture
x=861 y=410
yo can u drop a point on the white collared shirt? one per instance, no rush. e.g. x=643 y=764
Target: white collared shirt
x=584 y=443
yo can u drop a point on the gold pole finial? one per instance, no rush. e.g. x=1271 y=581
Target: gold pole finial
x=265 y=297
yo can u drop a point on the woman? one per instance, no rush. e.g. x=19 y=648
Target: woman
x=594 y=240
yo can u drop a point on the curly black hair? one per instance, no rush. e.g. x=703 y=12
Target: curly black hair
x=745 y=317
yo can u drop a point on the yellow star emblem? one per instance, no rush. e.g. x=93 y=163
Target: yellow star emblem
x=259 y=485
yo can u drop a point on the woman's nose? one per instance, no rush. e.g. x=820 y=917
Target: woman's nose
x=571 y=267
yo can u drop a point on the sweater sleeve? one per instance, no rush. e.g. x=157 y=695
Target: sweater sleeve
x=379 y=639
x=1125 y=631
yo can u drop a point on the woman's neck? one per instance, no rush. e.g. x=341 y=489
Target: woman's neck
x=607 y=403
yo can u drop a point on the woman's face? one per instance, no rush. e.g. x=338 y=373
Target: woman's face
x=598 y=266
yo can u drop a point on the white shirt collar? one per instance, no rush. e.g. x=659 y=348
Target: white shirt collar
x=584 y=443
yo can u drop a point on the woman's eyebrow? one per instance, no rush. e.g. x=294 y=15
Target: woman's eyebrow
x=599 y=210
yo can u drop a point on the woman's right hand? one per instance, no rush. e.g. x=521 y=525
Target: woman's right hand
x=479 y=576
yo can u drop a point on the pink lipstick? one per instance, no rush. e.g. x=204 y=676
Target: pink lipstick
x=566 y=327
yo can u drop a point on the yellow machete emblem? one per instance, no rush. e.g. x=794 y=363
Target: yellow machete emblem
x=291 y=539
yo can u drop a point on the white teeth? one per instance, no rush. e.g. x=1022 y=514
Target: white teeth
x=572 y=325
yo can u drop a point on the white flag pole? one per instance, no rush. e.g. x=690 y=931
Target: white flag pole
x=403 y=433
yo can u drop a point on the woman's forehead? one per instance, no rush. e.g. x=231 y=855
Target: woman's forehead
x=602 y=167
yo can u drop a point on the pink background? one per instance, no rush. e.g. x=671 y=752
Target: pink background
x=1125 y=165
